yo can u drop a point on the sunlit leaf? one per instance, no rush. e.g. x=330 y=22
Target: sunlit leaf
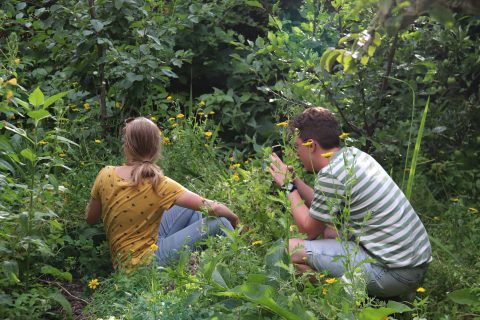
x=36 y=98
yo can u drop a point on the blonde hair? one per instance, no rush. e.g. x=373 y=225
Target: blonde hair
x=142 y=146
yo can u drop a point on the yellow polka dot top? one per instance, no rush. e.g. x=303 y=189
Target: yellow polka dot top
x=131 y=215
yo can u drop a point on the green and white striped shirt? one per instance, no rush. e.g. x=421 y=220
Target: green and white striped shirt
x=354 y=188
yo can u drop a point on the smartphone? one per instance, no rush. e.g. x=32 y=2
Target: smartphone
x=277 y=149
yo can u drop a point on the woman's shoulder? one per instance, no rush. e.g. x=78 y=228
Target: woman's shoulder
x=168 y=183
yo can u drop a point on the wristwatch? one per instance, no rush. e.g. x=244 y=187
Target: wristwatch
x=291 y=186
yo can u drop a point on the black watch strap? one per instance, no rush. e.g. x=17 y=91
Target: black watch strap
x=291 y=187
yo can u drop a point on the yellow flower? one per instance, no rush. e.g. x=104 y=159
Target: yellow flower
x=257 y=243
x=61 y=155
x=472 y=210
x=153 y=247
x=169 y=98
x=327 y=155
x=344 y=135
x=118 y=105
x=308 y=143
x=211 y=113
x=9 y=95
x=42 y=142
x=201 y=114
x=208 y=134
x=454 y=199
x=421 y=290
x=98 y=141
x=180 y=116
x=282 y=124
x=235 y=176
x=153 y=118
x=12 y=82
x=202 y=103
x=86 y=106
x=173 y=125
x=330 y=280
x=93 y=284
x=17 y=61
x=75 y=109
x=171 y=119
x=324 y=291
x=166 y=140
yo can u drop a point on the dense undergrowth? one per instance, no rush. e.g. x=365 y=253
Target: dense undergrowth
x=217 y=82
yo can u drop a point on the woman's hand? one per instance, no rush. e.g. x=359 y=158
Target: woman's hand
x=193 y=201
x=279 y=170
x=221 y=210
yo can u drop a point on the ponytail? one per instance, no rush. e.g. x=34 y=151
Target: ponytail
x=142 y=147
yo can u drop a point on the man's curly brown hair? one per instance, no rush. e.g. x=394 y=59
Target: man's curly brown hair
x=318 y=124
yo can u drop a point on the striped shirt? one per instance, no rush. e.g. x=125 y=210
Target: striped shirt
x=355 y=189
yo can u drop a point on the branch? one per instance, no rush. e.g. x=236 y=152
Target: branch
x=101 y=66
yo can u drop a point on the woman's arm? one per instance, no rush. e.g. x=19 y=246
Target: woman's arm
x=93 y=212
x=193 y=201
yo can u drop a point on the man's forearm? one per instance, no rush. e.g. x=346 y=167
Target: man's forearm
x=311 y=227
x=305 y=191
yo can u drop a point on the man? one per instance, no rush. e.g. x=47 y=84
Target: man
x=356 y=209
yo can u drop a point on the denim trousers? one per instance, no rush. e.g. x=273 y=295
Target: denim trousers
x=329 y=255
x=182 y=227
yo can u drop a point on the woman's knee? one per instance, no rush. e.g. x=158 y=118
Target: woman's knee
x=226 y=223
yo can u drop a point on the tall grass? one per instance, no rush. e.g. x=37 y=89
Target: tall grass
x=416 y=151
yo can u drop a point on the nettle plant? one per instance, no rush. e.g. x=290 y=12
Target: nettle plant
x=31 y=151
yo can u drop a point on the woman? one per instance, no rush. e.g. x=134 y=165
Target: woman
x=131 y=200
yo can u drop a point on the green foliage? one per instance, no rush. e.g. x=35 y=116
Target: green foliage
x=70 y=75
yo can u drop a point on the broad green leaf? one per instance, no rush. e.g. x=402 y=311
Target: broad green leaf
x=36 y=98
x=218 y=279
x=97 y=25
x=375 y=314
x=4 y=165
x=330 y=60
x=364 y=60
x=60 y=299
x=371 y=50
x=28 y=154
x=275 y=258
x=398 y=307
x=54 y=98
x=254 y=3
x=5 y=144
x=465 y=296
x=23 y=104
x=18 y=131
x=377 y=39
x=38 y=115
x=263 y=296
x=47 y=269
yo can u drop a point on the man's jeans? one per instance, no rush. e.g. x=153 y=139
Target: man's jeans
x=182 y=227
x=328 y=255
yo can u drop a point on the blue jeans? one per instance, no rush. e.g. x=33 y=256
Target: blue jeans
x=382 y=282
x=182 y=227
